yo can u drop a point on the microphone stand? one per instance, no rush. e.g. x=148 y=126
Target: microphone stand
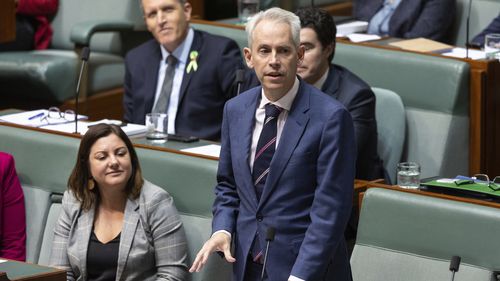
x=467 y=31
x=454 y=265
x=85 y=56
x=269 y=237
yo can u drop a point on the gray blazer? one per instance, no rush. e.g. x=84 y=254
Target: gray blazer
x=152 y=246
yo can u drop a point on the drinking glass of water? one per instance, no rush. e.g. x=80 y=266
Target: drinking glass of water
x=409 y=175
x=247 y=9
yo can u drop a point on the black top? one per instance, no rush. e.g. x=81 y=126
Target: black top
x=102 y=259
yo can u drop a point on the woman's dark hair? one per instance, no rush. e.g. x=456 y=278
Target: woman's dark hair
x=78 y=181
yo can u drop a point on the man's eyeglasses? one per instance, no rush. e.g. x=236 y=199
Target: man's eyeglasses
x=55 y=113
x=484 y=179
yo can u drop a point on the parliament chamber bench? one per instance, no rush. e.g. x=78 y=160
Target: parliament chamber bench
x=434 y=91
x=44 y=161
x=412 y=235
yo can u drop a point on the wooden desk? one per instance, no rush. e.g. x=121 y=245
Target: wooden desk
x=7 y=21
x=484 y=113
x=21 y=271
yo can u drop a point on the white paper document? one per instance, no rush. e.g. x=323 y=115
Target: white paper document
x=461 y=53
x=129 y=129
x=361 y=37
x=347 y=28
x=38 y=118
x=209 y=150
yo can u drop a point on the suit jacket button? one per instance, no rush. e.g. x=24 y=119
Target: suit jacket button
x=260 y=217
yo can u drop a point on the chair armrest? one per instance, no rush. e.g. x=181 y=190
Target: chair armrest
x=83 y=31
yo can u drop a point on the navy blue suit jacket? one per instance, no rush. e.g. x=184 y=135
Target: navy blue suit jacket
x=359 y=100
x=308 y=193
x=493 y=27
x=431 y=19
x=203 y=92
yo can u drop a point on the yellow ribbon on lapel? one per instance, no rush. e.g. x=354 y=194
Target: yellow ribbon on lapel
x=193 y=64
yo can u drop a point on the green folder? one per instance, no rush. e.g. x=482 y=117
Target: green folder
x=476 y=190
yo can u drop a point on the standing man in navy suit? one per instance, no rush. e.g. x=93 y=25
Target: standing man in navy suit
x=299 y=181
x=201 y=78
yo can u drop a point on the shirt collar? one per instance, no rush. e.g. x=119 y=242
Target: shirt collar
x=182 y=51
x=321 y=81
x=285 y=101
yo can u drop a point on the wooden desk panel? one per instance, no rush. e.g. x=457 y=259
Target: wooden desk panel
x=7 y=21
x=21 y=271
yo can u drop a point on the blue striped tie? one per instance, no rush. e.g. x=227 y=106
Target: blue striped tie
x=265 y=148
x=263 y=156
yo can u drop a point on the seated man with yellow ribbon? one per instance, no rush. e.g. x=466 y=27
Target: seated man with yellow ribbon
x=186 y=73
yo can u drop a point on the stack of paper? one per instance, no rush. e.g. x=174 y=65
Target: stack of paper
x=38 y=118
x=128 y=128
x=351 y=27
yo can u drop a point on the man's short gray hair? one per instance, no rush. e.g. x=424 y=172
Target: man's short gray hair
x=277 y=15
x=180 y=1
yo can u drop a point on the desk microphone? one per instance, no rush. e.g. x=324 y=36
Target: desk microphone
x=269 y=237
x=467 y=31
x=312 y=3
x=240 y=78
x=454 y=265
x=85 y=57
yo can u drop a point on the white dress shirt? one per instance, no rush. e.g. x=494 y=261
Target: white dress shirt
x=182 y=55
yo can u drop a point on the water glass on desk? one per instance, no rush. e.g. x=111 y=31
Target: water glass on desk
x=409 y=175
x=247 y=9
x=157 y=127
x=492 y=46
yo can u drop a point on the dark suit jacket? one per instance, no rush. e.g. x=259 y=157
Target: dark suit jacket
x=308 y=193
x=203 y=92
x=413 y=18
x=359 y=100
x=493 y=27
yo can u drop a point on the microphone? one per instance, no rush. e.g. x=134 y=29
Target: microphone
x=240 y=78
x=312 y=3
x=269 y=237
x=467 y=31
x=454 y=265
x=85 y=57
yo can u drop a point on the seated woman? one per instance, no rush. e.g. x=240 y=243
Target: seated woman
x=12 y=212
x=114 y=225
x=431 y=19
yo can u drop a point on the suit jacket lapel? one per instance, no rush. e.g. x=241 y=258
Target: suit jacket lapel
x=246 y=122
x=151 y=77
x=196 y=46
x=85 y=226
x=130 y=221
x=332 y=83
x=292 y=133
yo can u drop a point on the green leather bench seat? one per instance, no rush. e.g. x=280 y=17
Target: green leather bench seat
x=44 y=162
x=435 y=92
x=50 y=75
x=40 y=75
x=404 y=236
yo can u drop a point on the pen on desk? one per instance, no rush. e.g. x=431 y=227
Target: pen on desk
x=36 y=116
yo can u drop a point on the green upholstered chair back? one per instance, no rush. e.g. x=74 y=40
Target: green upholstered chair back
x=481 y=14
x=238 y=35
x=405 y=236
x=435 y=93
x=73 y=12
x=391 y=128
